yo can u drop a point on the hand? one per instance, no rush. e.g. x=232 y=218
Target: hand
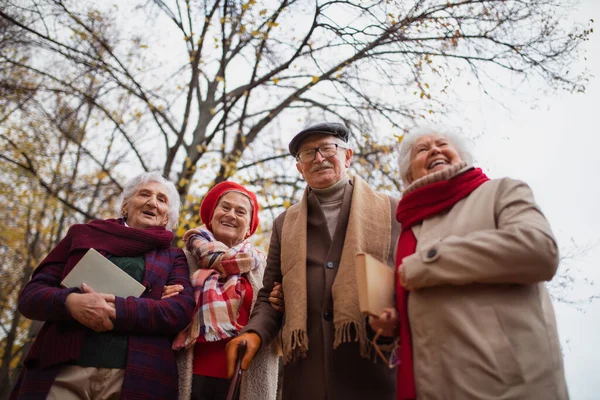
x=276 y=298
x=97 y=311
x=253 y=342
x=171 y=290
x=386 y=324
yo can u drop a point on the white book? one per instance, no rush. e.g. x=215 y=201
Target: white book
x=103 y=276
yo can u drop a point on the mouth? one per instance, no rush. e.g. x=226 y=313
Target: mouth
x=320 y=167
x=149 y=213
x=436 y=163
x=228 y=224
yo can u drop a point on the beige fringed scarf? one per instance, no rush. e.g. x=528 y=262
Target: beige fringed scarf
x=369 y=230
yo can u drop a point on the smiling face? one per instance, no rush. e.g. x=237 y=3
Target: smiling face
x=148 y=207
x=430 y=154
x=323 y=172
x=231 y=219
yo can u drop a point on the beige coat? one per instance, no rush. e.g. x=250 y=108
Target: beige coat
x=482 y=322
x=260 y=381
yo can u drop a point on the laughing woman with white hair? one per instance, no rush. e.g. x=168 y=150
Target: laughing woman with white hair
x=476 y=320
x=98 y=345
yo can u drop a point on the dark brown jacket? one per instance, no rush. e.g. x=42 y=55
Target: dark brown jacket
x=325 y=373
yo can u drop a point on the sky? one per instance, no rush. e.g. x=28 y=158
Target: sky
x=553 y=144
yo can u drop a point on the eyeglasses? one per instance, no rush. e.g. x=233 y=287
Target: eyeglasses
x=327 y=150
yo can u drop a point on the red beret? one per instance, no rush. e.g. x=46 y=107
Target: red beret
x=212 y=199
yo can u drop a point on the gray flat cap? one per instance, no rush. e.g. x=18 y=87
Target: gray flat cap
x=326 y=128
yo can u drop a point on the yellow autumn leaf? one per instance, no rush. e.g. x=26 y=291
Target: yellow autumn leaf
x=275 y=80
x=263 y=11
x=315 y=79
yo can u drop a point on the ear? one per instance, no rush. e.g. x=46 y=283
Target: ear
x=299 y=168
x=409 y=177
x=349 y=153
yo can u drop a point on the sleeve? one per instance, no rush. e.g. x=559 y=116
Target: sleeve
x=265 y=320
x=43 y=298
x=159 y=316
x=521 y=250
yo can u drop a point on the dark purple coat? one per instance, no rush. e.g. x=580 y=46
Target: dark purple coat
x=151 y=371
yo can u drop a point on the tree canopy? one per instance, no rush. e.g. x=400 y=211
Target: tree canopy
x=211 y=90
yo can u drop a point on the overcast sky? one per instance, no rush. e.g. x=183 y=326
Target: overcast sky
x=553 y=145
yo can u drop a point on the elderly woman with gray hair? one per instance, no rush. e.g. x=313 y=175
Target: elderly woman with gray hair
x=101 y=346
x=476 y=321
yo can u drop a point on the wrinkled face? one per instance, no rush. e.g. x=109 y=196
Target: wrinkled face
x=148 y=207
x=231 y=219
x=430 y=154
x=323 y=172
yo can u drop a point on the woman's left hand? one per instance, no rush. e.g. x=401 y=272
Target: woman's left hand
x=387 y=323
x=171 y=290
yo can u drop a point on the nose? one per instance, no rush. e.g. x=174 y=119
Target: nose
x=434 y=150
x=153 y=201
x=319 y=157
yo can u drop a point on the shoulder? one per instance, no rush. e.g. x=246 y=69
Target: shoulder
x=504 y=186
x=278 y=221
x=393 y=201
x=171 y=253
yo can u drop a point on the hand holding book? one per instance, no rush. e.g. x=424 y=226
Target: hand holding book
x=95 y=310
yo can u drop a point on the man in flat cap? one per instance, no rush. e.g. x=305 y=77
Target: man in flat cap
x=326 y=348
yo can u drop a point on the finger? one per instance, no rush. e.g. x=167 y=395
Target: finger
x=86 y=288
x=275 y=301
x=109 y=298
x=112 y=314
x=278 y=308
x=169 y=295
x=248 y=357
x=172 y=289
x=231 y=351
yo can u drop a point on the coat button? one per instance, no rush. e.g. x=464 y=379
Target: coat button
x=328 y=315
x=330 y=264
x=431 y=253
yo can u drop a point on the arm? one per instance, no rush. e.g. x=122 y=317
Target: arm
x=164 y=316
x=265 y=320
x=521 y=250
x=43 y=298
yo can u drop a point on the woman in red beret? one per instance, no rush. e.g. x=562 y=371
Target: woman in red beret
x=226 y=272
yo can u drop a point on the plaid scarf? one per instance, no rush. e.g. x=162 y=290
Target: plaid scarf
x=218 y=290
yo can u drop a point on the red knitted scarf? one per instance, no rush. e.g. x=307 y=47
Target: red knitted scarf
x=415 y=207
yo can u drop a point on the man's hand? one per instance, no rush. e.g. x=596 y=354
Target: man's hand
x=386 y=324
x=253 y=342
x=276 y=298
x=171 y=290
x=95 y=310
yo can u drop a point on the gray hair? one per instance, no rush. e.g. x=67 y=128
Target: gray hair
x=174 y=201
x=415 y=134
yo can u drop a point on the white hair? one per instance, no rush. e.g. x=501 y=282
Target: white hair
x=415 y=134
x=174 y=201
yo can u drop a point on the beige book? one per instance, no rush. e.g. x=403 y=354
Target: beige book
x=376 y=284
x=103 y=276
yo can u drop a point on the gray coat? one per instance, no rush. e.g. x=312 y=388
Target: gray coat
x=325 y=373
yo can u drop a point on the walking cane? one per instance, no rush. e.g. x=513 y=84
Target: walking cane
x=236 y=380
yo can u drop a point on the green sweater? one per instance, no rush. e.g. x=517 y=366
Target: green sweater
x=109 y=349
